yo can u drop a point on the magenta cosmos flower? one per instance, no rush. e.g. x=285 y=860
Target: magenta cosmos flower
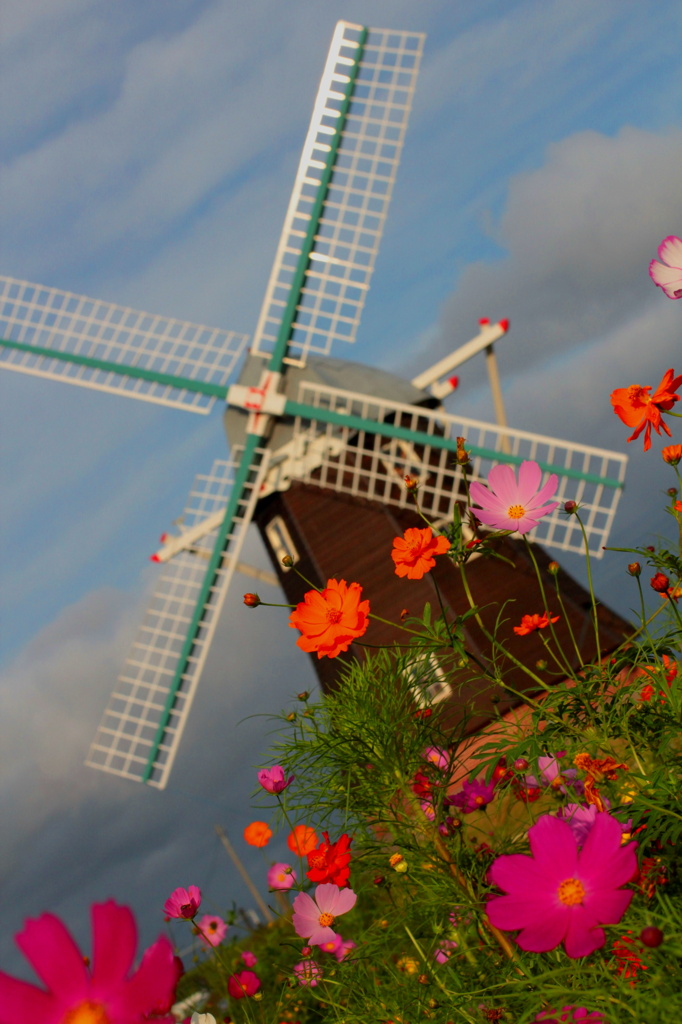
x=668 y=274
x=313 y=918
x=569 y=1014
x=243 y=984
x=183 y=902
x=562 y=895
x=274 y=779
x=105 y=994
x=212 y=930
x=474 y=795
x=281 y=876
x=510 y=505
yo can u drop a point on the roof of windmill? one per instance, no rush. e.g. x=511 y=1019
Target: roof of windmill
x=335 y=373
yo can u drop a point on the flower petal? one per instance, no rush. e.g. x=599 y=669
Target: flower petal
x=512 y=912
x=582 y=935
x=603 y=862
x=114 y=941
x=21 y=1002
x=55 y=957
x=502 y=481
x=670 y=251
x=530 y=476
x=547 y=933
x=667 y=278
x=608 y=907
x=154 y=982
x=554 y=847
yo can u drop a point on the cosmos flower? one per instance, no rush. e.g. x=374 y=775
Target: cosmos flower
x=529 y=623
x=313 y=918
x=308 y=973
x=330 y=862
x=559 y=894
x=474 y=795
x=274 y=780
x=281 y=876
x=672 y=453
x=249 y=958
x=73 y=992
x=183 y=903
x=258 y=833
x=668 y=274
x=211 y=929
x=243 y=984
x=510 y=505
x=638 y=409
x=343 y=949
x=329 y=620
x=302 y=840
x=569 y=1014
x=437 y=756
x=414 y=553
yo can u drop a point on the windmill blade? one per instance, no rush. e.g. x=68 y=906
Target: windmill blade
x=141 y=728
x=50 y=333
x=366 y=446
x=336 y=215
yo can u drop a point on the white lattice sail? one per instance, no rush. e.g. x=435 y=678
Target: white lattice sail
x=72 y=338
x=141 y=728
x=367 y=87
x=336 y=447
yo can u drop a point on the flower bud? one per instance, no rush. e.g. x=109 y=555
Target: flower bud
x=650 y=547
x=398 y=862
x=672 y=492
x=521 y=764
x=672 y=454
x=291 y=717
x=306 y=951
x=287 y=561
x=303 y=695
x=541 y=664
x=379 y=880
x=651 y=936
x=423 y=979
x=553 y=568
x=462 y=456
x=634 y=568
x=570 y=507
x=251 y=600
x=660 y=583
x=411 y=484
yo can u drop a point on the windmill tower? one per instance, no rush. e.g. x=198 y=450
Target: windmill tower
x=311 y=437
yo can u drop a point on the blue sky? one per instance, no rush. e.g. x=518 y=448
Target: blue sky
x=148 y=153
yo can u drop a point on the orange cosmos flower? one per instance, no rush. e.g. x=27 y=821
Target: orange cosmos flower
x=414 y=552
x=529 y=623
x=596 y=769
x=638 y=409
x=302 y=840
x=672 y=453
x=258 y=833
x=331 y=619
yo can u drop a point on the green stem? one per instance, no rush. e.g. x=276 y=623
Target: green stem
x=588 y=562
x=538 y=576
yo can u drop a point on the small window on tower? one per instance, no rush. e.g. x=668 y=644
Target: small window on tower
x=280 y=541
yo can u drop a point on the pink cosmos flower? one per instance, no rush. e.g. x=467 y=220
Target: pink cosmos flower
x=562 y=895
x=568 y=1014
x=212 y=930
x=183 y=903
x=313 y=918
x=445 y=951
x=273 y=779
x=579 y=819
x=343 y=949
x=552 y=775
x=508 y=505
x=243 y=984
x=249 y=958
x=332 y=945
x=281 y=876
x=437 y=756
x=73 y=992
x=668 y=275
x=474 y=795
x=308 y=973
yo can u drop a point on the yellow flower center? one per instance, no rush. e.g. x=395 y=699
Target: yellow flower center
x=86 y=1013
x=516 y=511
x=333 y=615
x=570 y=892
x=326 y=920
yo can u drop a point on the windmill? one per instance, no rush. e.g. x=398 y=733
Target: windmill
x=298 y=421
